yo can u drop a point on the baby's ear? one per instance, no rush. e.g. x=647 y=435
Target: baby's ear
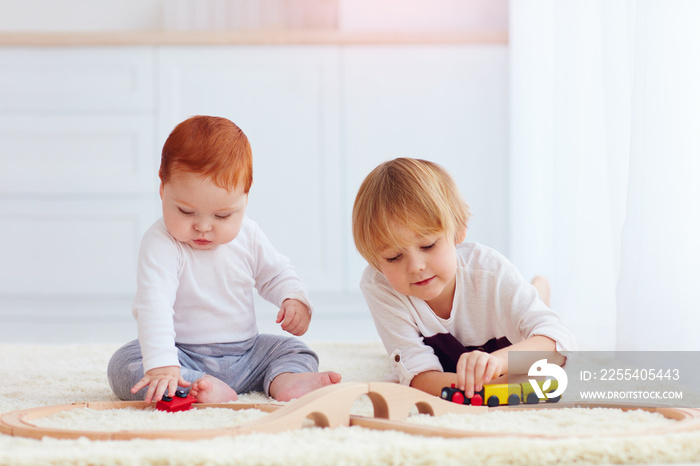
x=160 y=190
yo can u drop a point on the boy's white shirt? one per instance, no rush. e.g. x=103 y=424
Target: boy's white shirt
x=492 y=300
x=193 y=296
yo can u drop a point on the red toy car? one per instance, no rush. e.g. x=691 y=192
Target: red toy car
x=180 y=402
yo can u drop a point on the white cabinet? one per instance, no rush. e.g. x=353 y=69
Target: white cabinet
x=78 y=183
x=81 y=130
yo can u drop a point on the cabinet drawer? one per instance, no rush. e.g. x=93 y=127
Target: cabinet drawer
x=76 y=78
x=68 y=154
x=62 y=248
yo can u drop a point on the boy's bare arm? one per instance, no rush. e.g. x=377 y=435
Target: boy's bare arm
x=433 y=381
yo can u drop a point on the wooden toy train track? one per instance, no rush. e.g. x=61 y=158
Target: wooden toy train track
x=326 y=407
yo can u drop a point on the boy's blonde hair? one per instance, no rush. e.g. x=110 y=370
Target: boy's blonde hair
x=212 y=147
x=417 y=194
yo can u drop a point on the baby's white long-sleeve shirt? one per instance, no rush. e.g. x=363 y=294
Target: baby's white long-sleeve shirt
x=193 y=296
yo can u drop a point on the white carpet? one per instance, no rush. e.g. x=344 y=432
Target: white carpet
x=37 y=375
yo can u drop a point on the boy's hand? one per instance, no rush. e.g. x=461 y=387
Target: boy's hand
x=294 y=316
x=160 y=381
x=476 y=368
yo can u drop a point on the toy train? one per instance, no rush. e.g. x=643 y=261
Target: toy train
x=501 y=394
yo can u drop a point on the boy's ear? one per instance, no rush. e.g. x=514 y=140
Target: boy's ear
x=461 y=235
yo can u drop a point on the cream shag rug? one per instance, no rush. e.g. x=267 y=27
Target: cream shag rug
x=39 y=375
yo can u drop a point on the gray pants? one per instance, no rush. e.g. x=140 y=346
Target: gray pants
x=245 y=366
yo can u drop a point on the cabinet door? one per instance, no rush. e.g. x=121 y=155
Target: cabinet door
x=447 y=104
x=286 y=101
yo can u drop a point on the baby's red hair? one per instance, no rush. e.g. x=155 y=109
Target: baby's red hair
x=212 y=147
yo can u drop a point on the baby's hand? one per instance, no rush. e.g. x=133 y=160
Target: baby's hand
x=160 y=381
x=476 y=368
x=294 y=316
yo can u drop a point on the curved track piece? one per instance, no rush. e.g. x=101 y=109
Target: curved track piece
x=19 y=423
x=688 y=420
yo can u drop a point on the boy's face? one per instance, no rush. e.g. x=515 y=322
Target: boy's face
x=425 y=268
x=199 y=213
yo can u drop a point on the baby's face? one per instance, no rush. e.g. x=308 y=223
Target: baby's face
x=199 y=213
x=425 y=268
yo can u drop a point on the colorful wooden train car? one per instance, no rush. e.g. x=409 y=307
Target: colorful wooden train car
x=501 y=394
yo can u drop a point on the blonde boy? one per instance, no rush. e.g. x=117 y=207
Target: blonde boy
x=197 y=268
x=447 y=311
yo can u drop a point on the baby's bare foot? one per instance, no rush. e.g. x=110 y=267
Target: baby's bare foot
x=288 y=386
x=209 y=389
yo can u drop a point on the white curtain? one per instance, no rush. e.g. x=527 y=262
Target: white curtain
x=605 y=165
